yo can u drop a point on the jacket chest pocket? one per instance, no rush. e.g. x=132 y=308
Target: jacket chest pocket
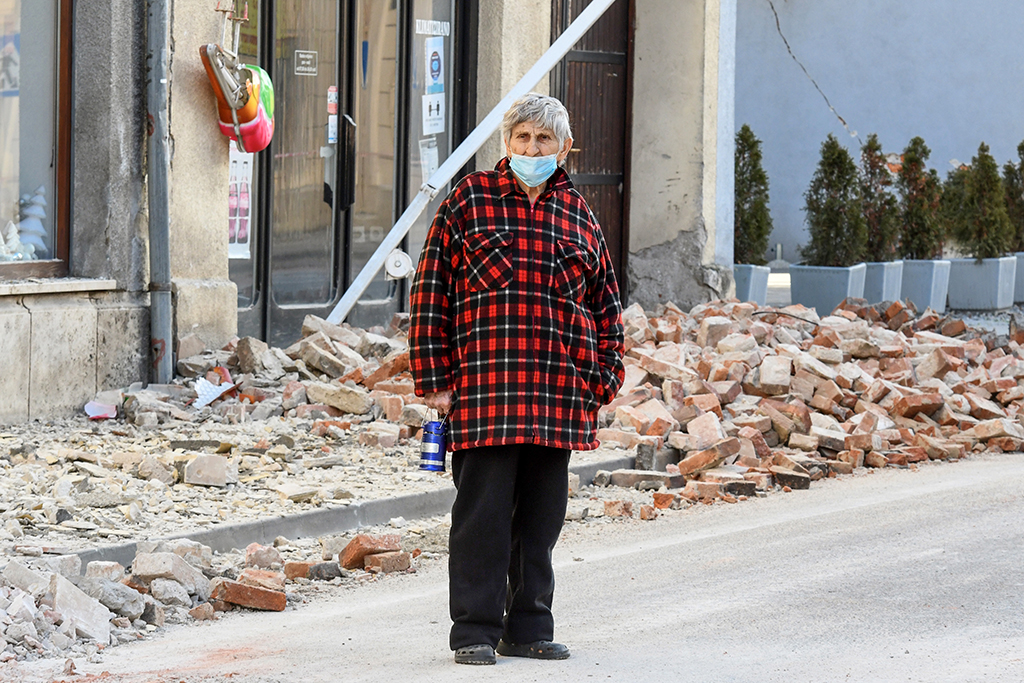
x=488 y=260
x=574 y=267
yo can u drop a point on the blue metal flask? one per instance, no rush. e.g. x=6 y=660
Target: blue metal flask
x=433 y=449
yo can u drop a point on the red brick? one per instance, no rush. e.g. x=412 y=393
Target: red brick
x=761 y=447
x=293 y=395
x=664 y=501
x=909 y=406
x=982 y=408
x=392 y=405
x=363 y=545
x=629 y=416
x=706 y=429
x=247 y=596
x=395 y=561
x=398 y=385
x=203 y=612
x=953 y=328
x=262 y=578
x=394 y=364
x=648 y=512
x=1007 y=444
x=707 y=402
x=323 y=427
x=137 y=583
x=297 y=570
x=618 y=508
x=710 y=457
x=790 y=478
x=875 y=459
x=853 y=456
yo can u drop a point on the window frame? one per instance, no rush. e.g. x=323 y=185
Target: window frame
x=58 y=265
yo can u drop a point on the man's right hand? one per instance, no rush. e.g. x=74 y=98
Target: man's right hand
x=441 y=401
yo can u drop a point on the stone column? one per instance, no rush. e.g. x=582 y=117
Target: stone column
x=205 y=298
x=513 y=35
x=680 y=216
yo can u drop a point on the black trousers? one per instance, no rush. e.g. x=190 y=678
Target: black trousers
x=508 y=513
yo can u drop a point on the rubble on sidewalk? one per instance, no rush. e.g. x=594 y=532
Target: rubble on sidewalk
x=48 y=609
x=737 y=400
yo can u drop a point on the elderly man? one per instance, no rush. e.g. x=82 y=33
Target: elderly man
x=516 y=329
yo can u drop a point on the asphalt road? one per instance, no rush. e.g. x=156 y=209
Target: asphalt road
x=891 y=576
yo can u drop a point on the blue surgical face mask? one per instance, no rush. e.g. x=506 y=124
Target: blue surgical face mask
x=533 y=171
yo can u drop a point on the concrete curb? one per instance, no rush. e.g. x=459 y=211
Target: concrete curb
x=329 y=521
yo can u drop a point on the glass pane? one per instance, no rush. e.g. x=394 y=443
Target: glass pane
x=374 y=106
x=28 y=39
x=430 y=100
x=242 y=182
x=305 y=68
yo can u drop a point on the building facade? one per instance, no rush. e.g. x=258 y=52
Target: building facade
x=938 y=69
x=370 y=97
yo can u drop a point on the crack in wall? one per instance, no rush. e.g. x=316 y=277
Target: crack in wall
x=778 y=28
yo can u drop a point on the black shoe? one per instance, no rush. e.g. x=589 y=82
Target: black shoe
x=542 y=649
x=475 y=654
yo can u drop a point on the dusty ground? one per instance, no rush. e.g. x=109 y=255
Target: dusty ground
x=891 y=576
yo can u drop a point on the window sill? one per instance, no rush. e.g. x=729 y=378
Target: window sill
x=54 y=286
x=20 y=270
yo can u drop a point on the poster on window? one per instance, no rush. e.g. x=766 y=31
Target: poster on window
x=428 y=158
x=240 y=203
x=10 y=64
x=435 y=64
x=433 y=114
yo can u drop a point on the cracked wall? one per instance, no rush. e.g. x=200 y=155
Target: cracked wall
x=945 y=70
x=680 y=235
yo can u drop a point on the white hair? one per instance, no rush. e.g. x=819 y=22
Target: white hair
x=544 y=110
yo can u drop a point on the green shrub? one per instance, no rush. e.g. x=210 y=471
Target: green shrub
x=880 y=207
x=835 y=214
x=1013 y=185
x=976 y=208
x=922 y=234
x=753 y=220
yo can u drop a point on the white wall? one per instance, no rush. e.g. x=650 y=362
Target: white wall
x=947 y=70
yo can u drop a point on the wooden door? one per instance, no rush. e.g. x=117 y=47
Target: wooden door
x=594 y=83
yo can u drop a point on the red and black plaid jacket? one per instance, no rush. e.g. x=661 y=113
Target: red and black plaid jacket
x=516 y=309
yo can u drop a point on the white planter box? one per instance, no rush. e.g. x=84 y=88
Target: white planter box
x=983 y=285
x=925 y=282
x=1018 y=287
x=751 y=282
x=883 y=281
x=824 y=287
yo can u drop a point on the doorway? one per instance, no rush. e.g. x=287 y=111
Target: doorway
x=594 y=83
x=350 y=147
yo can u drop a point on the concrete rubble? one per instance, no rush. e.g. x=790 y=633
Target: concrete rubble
x=48 y=608
x=727 y=402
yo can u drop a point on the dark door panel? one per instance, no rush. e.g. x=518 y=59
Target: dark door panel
x=593 y=81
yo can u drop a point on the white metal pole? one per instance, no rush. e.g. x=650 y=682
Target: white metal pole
x=464 y=152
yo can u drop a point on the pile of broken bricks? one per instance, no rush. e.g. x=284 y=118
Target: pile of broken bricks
x=332 y=372
x=49 y=609
x=731 y=400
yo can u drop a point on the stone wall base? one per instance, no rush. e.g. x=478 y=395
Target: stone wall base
x=58 y=350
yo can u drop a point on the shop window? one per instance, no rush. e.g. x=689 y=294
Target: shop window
x=35 y=110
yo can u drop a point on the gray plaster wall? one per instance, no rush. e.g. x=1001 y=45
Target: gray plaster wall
x=205 y=298
x=946 y=70
x=514 y=34
x=108 y=234
x=680 y=234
